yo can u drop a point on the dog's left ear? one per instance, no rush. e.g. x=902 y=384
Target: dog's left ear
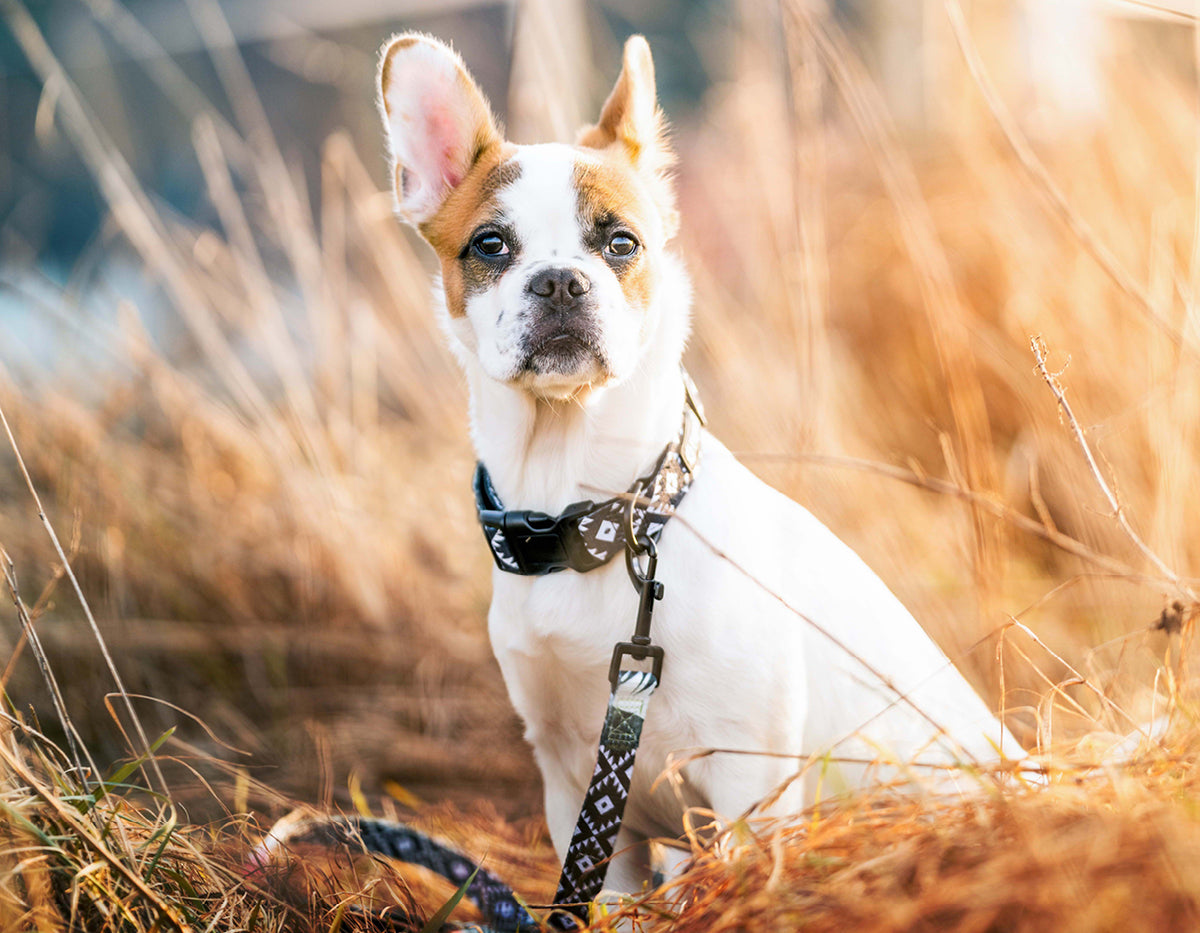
x=631 y=121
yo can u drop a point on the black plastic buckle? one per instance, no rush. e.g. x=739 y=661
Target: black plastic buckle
x=537 y=541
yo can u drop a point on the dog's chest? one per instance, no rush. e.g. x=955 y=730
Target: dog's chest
x=553 y=637
x=554 y=645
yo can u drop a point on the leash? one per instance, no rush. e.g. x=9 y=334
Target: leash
x=586 y=863
x=584 y=536
x=502 y=909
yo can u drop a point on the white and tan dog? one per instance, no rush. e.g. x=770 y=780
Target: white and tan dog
x=569 y=315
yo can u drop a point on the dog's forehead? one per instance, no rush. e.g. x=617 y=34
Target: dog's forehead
x=559 y=190
x=541 y=203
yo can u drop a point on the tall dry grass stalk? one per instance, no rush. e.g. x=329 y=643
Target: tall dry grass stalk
x=305 y=422
x=270 y=487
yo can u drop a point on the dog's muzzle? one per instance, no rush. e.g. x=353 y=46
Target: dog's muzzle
x=562 y=337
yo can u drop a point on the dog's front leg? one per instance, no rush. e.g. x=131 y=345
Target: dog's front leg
x=563 y=800
x=629 y=870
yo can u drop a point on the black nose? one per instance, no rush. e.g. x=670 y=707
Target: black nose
x=560 y=286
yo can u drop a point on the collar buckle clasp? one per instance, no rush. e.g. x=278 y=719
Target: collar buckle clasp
x=539 y=543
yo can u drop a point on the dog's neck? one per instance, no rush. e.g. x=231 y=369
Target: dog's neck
x=544 y=455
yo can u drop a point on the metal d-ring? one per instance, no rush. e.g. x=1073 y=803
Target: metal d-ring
x=649 y=590
x=643 y=545
x=631 y=537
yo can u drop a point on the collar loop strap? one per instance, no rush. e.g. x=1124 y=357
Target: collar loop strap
x=587 y=535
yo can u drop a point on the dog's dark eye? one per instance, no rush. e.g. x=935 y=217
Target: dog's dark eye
x=621 y=244
x=489 y=245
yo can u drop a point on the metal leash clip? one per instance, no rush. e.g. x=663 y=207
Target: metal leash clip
x=639 y=647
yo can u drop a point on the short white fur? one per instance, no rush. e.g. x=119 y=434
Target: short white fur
x=778 y=638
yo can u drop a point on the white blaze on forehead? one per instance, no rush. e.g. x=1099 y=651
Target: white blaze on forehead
x=543 y=203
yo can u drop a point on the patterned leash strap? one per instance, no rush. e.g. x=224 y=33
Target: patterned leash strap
x=502 y=911
x=595 y=836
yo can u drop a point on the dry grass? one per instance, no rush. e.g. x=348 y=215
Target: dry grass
x=249 y=480
x=1106 y=851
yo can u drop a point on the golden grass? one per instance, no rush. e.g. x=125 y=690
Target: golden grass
x=1106 y=851
x=268 y=509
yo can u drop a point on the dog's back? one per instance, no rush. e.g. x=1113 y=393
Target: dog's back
x=763 y=588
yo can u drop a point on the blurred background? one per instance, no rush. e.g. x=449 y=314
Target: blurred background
x=219 y=360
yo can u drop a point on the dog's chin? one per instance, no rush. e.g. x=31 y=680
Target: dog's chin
x=562 y=367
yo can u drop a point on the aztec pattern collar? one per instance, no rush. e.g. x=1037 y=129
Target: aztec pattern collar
x=587 y=535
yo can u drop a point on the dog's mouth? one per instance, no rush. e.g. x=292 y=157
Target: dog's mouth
x=569 y=351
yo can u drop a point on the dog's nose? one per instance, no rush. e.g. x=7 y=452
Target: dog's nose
x=560 y=285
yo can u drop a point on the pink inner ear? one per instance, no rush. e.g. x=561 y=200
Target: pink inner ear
x=436 y=119
x=443 y=138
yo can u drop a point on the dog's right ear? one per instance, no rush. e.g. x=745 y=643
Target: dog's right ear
x=438 y=122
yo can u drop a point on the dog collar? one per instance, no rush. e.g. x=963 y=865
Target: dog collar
x=587 y=535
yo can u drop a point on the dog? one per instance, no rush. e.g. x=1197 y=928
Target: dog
x=568 y=312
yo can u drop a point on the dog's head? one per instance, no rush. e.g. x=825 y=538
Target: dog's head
x=551 y=254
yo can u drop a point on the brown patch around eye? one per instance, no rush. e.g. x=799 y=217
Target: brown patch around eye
x=653 y=178
x=470 y=204
x=608 y=195
x=637 y=280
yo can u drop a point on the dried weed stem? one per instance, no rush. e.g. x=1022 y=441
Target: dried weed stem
x=83 y=602
x=1038 y=346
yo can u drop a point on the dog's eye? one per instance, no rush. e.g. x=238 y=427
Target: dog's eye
x=621 y=244
x=490 y=245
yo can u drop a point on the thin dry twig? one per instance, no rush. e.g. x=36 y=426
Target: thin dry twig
x=1077 y=677
x=981 y=500
x=1157 y=9
x=87 y=609
x=1046 y=185
x=29 y=631
x=1038 y=346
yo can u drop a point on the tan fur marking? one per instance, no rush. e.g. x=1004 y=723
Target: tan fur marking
x=605 y=188
x=467 y=206
x=657 y=185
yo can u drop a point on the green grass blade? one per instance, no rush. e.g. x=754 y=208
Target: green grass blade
x=434 y=923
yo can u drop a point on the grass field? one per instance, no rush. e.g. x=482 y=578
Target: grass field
x=257 y=467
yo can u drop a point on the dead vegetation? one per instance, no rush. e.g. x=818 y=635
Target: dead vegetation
x=259 y=470
x=1108 y=851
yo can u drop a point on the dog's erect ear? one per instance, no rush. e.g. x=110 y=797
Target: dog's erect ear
x=437 y=120
x=631 y=123
x=630 y=115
